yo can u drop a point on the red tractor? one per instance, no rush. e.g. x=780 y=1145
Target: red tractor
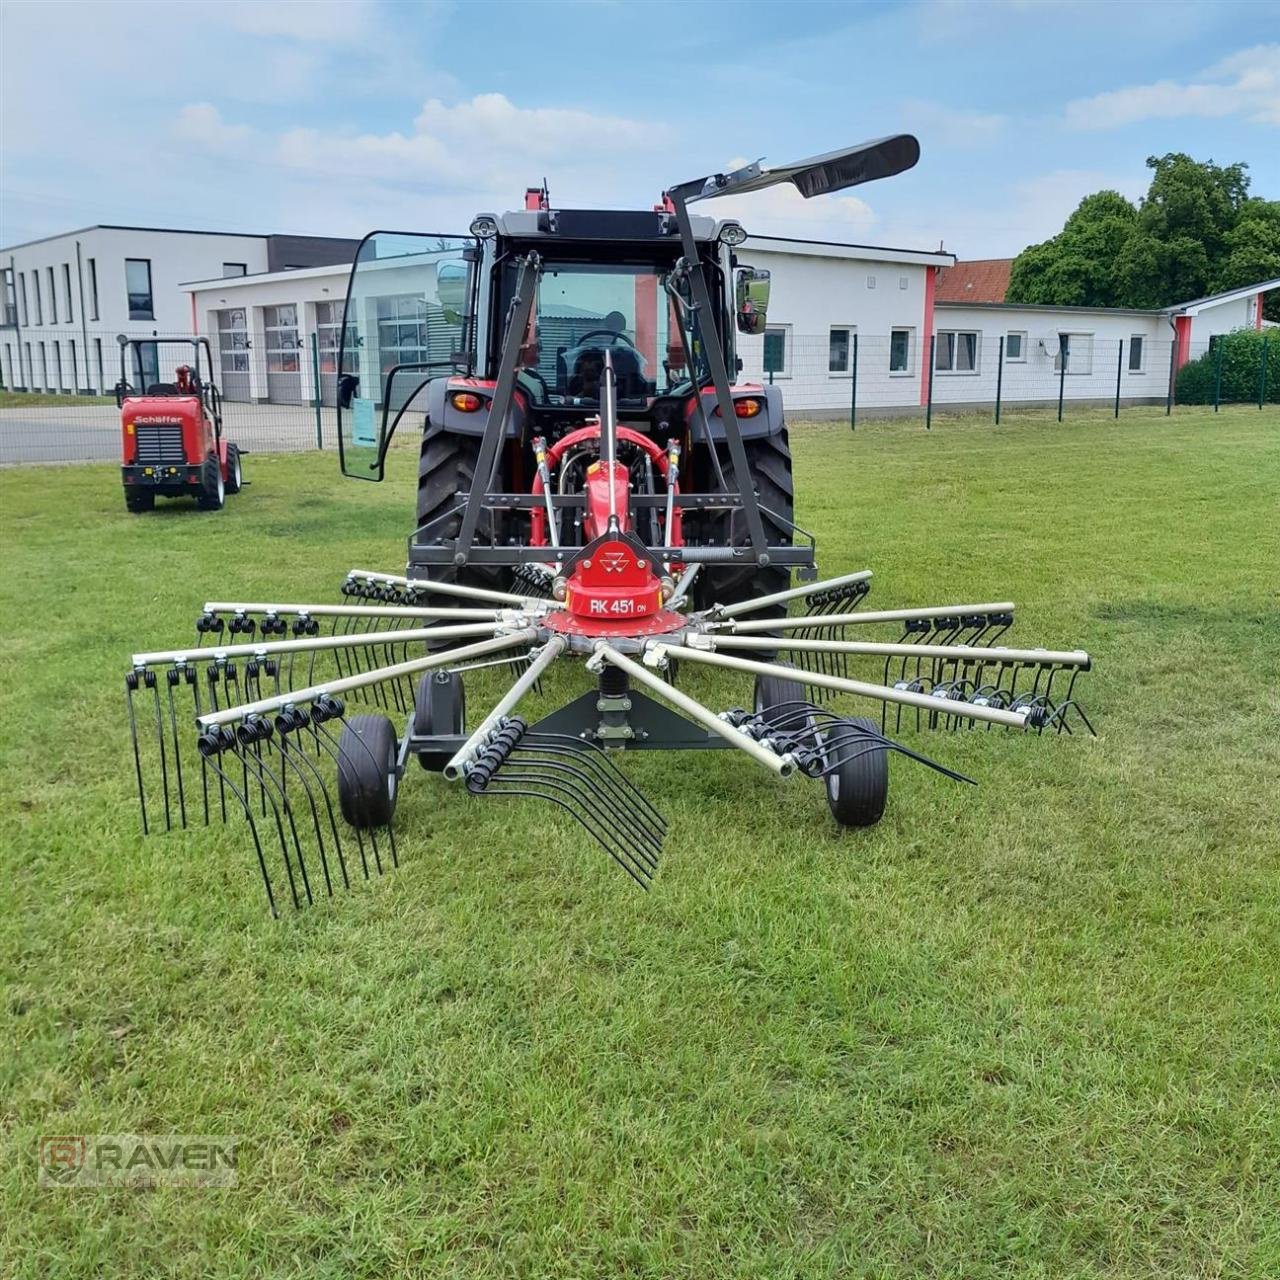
x=171 y=432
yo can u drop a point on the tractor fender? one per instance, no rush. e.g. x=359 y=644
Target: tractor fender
x=768 y=422
x=443 y=416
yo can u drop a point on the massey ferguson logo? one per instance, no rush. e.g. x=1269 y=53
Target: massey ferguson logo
x=614 y=561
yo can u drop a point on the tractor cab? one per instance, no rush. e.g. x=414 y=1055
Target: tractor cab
x=171 y=431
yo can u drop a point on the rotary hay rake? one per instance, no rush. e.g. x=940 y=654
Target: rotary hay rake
x=596 y=512
x=264 y=697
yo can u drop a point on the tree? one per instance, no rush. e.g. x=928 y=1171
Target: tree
x=1195 y=232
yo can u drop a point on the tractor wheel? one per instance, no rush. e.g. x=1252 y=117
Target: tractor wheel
x=234 y=474
x=213 y=491
x=366 y=771
x=442 y=692
x=446 y=467
x=769 y=458
x=139 y=500
x=858 y=790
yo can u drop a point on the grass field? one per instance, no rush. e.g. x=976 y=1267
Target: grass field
x=1027 y=1029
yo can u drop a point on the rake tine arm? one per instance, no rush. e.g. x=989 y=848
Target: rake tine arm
x=851 y=619
x=417 y=587
x=353 y=612
x=792 y=593
x=782 y=765
x=1012 y=719
x=1076 y=658
x=513 y=640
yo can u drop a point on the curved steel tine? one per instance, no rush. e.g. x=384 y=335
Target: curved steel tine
x=172 y=677
x=325 y=746
x=888 y=744
x=592 y=794
x=137 y=754
x=275 y=813
x=264 y=776
x=299 y=759
x=226 y=782
x=597 y=753
x=287 y=762
x=153 y=681
x=539 y=788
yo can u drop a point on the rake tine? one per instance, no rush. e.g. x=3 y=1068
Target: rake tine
x=149 y=680
x=325 y=745
x=247 y=735
x=343 y=764
x=172 y=677
x=212 y=675
x=293 y=722
x=130 y=685
x=287 y=761
x=210 y=746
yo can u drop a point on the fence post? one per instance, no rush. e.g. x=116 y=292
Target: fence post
x=1262 y=373
x=315 y=374
x=1062 y=373
x=1217 y=375
x=1119 y=367
x=999 y=377
x=928 y=411
x=853 y=394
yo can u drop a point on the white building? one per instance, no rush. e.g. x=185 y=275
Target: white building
x=66 y=298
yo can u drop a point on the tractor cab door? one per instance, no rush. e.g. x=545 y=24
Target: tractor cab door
x=409 y=317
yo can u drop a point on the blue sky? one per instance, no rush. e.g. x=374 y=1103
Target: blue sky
x=339 y=116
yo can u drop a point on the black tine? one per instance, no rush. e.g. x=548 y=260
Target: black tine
x=326 y=745
x=264 y=776
x=287 y=761
x=299 y=760
x=211 y=758
x=373 y=836
x=149 y=679
x=130 y=684
x=172 y=677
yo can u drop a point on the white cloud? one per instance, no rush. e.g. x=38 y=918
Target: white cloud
x=322 y=21
x=1245 y=84
x=941 y=125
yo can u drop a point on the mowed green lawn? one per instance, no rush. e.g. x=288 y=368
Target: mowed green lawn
x=1027 y=1029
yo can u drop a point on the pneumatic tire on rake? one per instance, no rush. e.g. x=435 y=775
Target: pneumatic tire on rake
x=858 y=789
x=769 y=458
x=446 y=468
x=367 y=761
x=440 y=697
x=212 y=489
x=235 y=478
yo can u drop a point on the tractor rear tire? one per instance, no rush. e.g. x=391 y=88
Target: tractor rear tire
x=769 y=460
x=366 y=771
x=446 y=468
x=858 y=790
x=234 y=477
x=139 y=500
x=213 y=491
x=449 y=692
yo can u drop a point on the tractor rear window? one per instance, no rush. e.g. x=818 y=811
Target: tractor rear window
x=584 y=310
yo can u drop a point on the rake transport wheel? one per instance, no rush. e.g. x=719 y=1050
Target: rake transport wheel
x=235 y=478
x=139 y=500
x=859 y=788
x=776 y=691
x=366 y=769
x=446 y=468
x=213 y=491
x=769 y=460
x=439 y=706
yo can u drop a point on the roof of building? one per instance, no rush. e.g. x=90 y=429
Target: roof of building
x=843 y=249
x=975 y=280
x=166 y=231
x=1218 y=299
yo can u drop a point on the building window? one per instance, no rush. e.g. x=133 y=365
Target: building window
x=35 y=286
x=97 y=359
x=53 y=298
x=1075 y=353
x=900 y=345
x=235 y=269
x=838 y=345
x=871 y=282
x=7 y=371
x=1015 y=346
x=1137 y=354
x=58 y=380
x=775 y=351
x=93 y=289
x=44 y=365
x=10 y=300
x=29 y=381
x=22 y=294
x=75 y=367
x=233 y=341
x=280 y=325
x=137 y=283
x=956 y=351
x=66 y=291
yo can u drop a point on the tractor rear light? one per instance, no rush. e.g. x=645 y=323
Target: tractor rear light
x=466 y=401
x=748 y=408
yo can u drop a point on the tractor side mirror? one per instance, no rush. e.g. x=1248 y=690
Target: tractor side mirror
x=348 y=385
x=751 y=299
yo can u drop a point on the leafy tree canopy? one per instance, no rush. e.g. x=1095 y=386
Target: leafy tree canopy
x=1196 y=232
